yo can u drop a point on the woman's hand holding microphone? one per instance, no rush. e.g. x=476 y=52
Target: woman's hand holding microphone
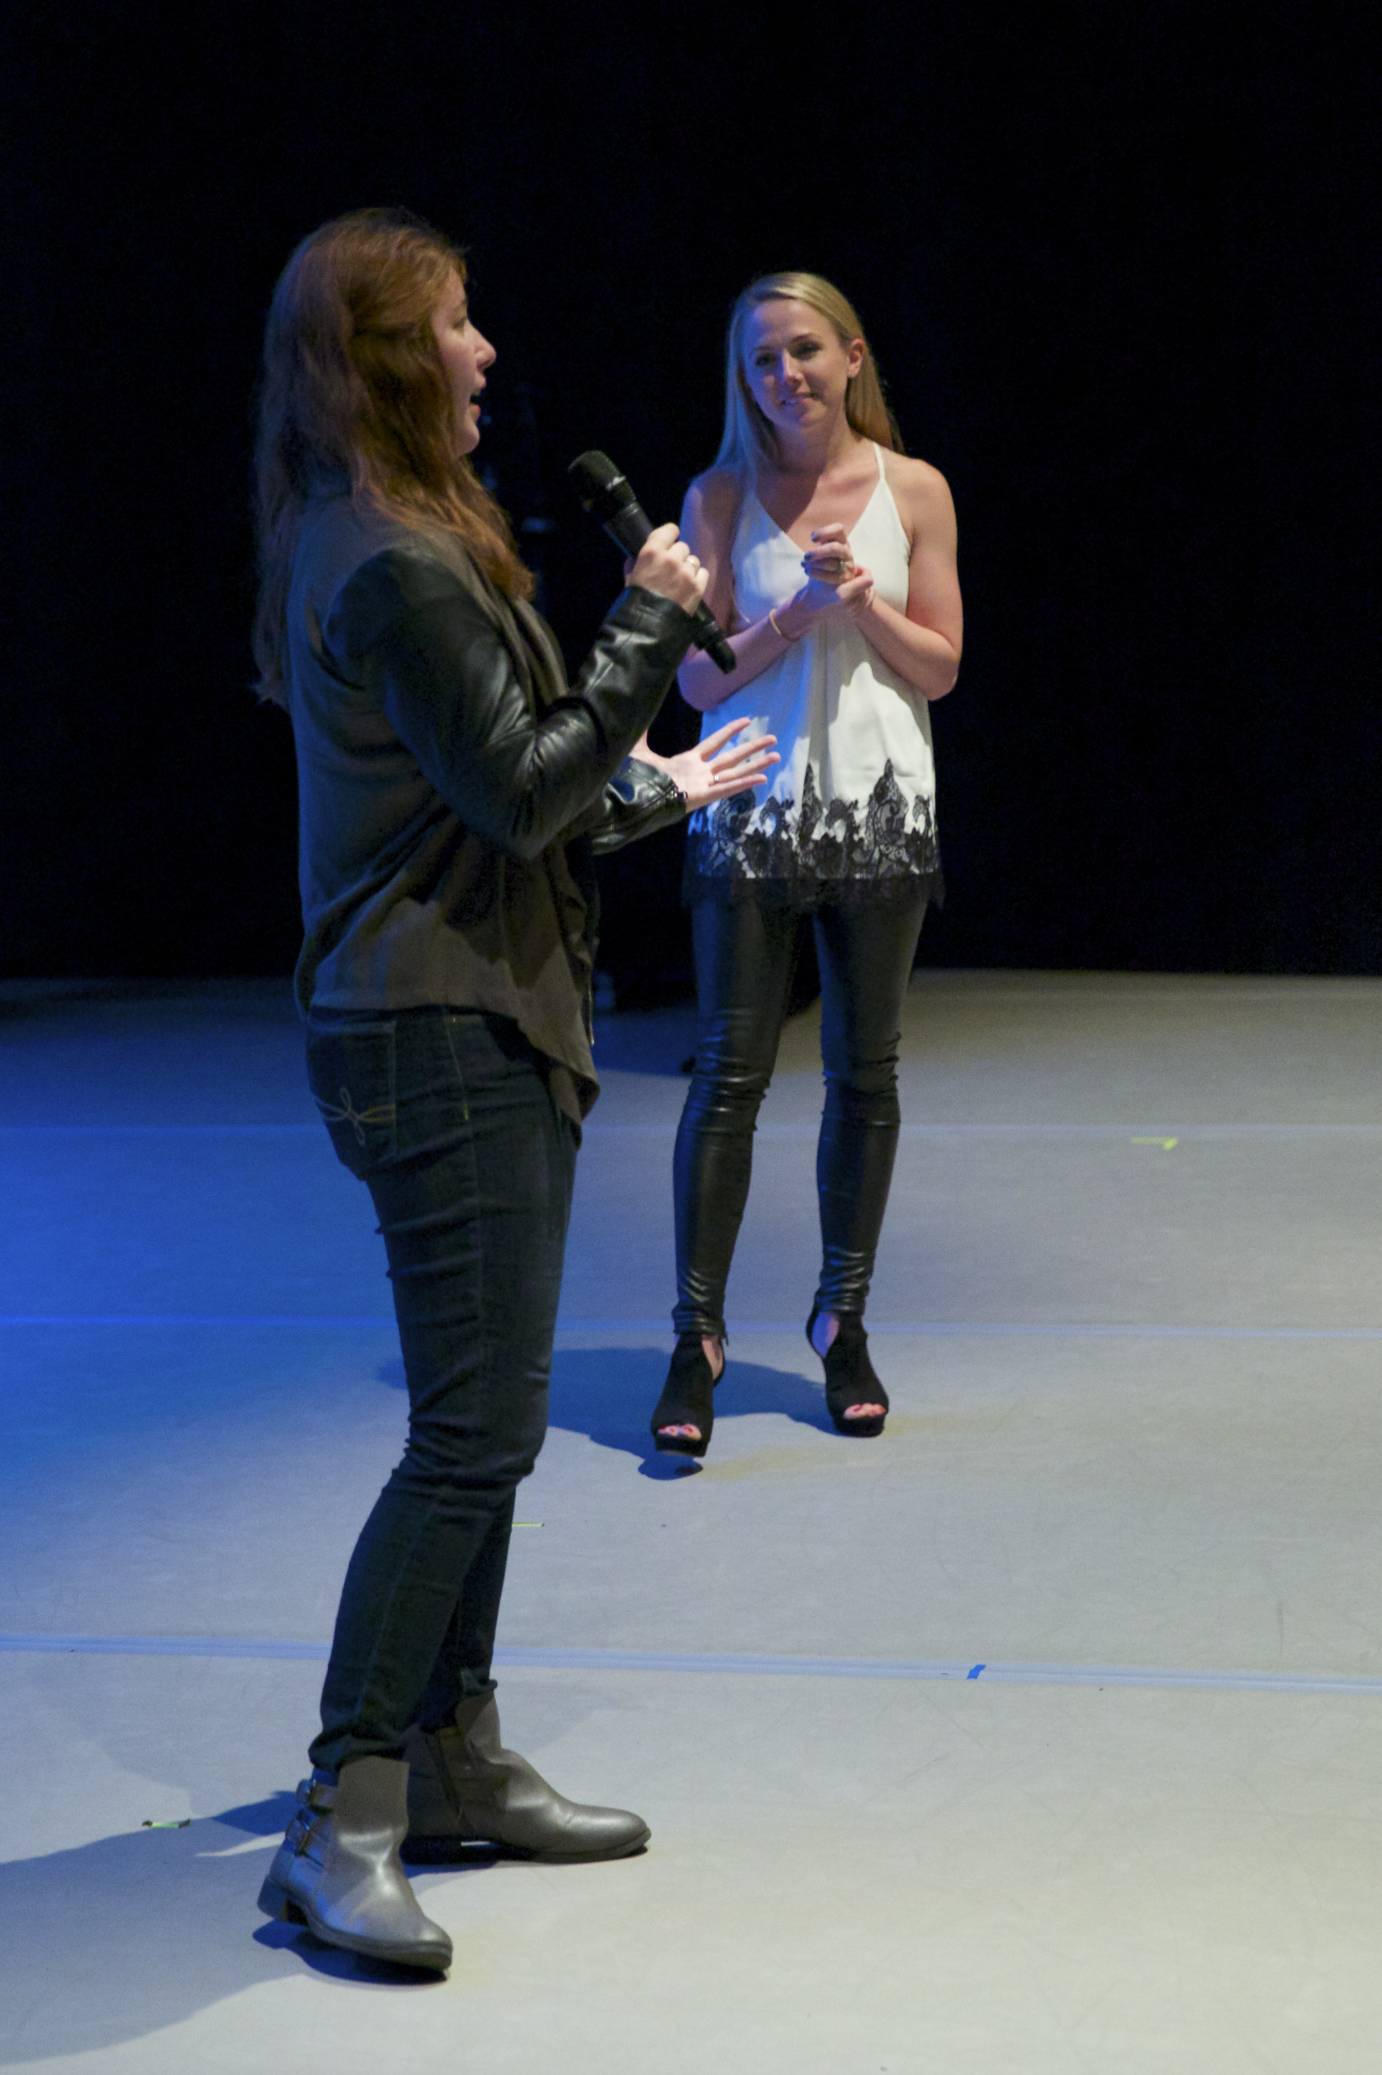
x=665 y=565
x=723 y=764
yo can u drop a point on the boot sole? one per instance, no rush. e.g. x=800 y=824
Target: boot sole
x=276 y=1902
x=618 y=1851
x=436 y=1850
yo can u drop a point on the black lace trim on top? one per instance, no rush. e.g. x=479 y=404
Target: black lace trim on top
x=820 y=853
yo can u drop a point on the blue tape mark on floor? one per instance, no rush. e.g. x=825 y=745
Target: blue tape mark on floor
x=159 y=1646
x=1270 y=1134
x=298 y=1321
x=308 y=1130
x=533 y=1657
x=1017 y=1329
x=897 y=1329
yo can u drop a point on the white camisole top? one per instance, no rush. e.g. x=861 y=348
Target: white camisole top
x=850 y=812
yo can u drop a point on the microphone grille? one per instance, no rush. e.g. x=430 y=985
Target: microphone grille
x=599 y=484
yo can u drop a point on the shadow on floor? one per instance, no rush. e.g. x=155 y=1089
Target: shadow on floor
x=147 y=1928
x=608 y=1394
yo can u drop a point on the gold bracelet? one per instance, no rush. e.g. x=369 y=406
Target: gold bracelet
x=780 y=632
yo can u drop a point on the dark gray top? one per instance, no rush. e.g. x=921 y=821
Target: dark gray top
x=444 y=771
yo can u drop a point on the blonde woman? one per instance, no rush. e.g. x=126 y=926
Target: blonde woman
x=452 y=786
x=831 y=556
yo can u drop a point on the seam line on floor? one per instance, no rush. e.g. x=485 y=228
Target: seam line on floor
x=663 y=1128
x=536 y=1658
x=923 y=1329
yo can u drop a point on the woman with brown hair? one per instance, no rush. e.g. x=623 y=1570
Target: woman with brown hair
x=831 y=556
x=452 y=788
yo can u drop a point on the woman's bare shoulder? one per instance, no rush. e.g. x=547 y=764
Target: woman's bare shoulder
x=917 y=478
x=922 y=493
x=711 y=512
x=715 y=493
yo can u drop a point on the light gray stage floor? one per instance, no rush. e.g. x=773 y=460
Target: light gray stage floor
x=1043 y=1734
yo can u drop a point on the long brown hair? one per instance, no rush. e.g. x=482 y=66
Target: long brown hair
x=748 y=438
x=354 y=392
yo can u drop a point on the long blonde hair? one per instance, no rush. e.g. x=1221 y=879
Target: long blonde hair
x=749 y=440
x=354 y=392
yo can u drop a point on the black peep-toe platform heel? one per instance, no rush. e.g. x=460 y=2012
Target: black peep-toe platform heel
x=850 y=1378
x=687 y=1399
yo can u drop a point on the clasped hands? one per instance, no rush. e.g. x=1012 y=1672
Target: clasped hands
x=834 y=580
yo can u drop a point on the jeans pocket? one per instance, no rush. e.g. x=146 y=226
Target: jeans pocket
x=351 y=1070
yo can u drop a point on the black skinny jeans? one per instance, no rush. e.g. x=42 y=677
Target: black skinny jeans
x=447 y=1117
x=744 y=956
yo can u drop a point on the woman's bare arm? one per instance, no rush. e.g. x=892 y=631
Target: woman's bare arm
x=922 y=644
x=708 y=519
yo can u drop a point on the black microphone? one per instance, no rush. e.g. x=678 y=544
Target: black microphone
x=605 y=493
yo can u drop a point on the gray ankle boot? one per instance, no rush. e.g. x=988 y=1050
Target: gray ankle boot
x=338 y=1869
x=463 y=1787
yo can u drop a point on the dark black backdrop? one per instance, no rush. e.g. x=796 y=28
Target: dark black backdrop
x=1111 y=258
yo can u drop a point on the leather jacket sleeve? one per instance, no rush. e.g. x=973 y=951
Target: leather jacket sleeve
x=638 y=801
x=411 y=633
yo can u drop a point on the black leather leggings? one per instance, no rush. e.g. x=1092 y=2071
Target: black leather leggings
x=744 y=956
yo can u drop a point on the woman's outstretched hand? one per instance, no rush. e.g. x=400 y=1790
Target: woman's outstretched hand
x=666 y=565
x=718 y=767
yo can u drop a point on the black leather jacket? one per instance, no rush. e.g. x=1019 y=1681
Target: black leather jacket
x=452 y=786
x=638 y=800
